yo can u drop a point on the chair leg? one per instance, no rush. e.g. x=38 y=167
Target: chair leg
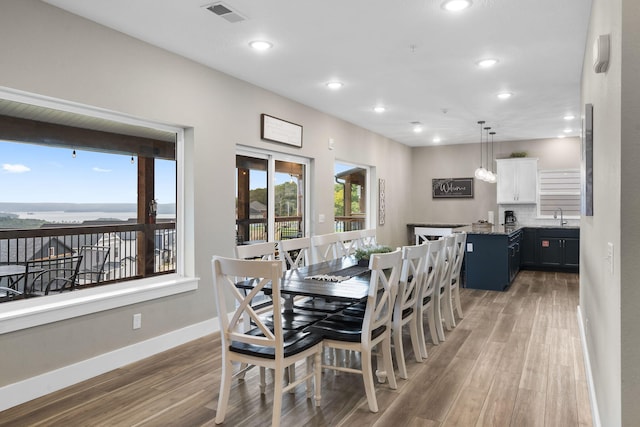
x=422 y=340
x=388 y=362
x=309 y=383
x=456 y=298
x=431 y=317
x=399 y=350
x=449 y=318
x=291 y=377
x=225 y=390
x=415 y=337
x=263 y=382
x=277 y=396
x=437 y=313
x=367 y=377
x=317 y=383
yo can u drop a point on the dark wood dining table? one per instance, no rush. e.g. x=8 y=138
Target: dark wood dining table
x=306 y=281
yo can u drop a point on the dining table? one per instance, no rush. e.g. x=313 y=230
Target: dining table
x=341 y=279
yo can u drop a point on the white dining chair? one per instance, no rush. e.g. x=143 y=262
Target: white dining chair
x=326 y=247
x=295 y=253
x=405 y=310
x=443 y=312
x=264 y=346
x=452 y=297
x=368 y=238
x=426 y=302
x=350 y=241
x=363 y=334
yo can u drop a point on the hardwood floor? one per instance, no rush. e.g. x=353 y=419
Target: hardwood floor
x=514 y=360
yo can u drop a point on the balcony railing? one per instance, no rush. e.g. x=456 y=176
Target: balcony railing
x=349 y=223
x=287 y=227
x=126 y=260
x=256 y=230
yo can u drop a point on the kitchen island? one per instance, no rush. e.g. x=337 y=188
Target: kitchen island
x=492 y=256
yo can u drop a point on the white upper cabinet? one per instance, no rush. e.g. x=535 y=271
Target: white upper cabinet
x=517 y=180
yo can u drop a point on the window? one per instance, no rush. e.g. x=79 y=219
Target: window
x=350 y=197
x=150 y=244
x=270 y=196
x=559 y=189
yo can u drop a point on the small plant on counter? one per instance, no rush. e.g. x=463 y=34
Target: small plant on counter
x=363 y=255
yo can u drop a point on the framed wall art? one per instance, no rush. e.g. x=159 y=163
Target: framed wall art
x=452 y=188
x=278 y=130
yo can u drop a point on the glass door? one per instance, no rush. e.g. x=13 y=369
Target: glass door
x=270 y=197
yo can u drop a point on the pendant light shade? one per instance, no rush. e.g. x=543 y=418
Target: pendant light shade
x=481 y=172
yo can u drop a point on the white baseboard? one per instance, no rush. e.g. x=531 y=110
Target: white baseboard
x=34 y=387
x=595 y=414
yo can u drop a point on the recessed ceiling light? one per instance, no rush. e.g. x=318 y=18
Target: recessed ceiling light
x=487 y=63
x=561 y=136
x=379 y=109
x=569 y=117
x=417 y=128
x=567 y=130
x=456 y=5
x=260 y=45
x=334 y=85
x=436 y=139
x=505 y=95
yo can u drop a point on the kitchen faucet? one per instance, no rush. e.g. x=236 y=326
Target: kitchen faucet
x=555 y=215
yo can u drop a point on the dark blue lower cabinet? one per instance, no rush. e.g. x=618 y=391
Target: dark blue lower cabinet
x=492 y=260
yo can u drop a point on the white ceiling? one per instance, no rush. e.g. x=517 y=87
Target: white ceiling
x=411 y=56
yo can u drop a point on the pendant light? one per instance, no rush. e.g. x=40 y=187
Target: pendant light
x=481 y=172
x=488 y=176
x=494 y=175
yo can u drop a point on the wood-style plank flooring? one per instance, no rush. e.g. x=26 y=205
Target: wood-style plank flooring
x=514 y=360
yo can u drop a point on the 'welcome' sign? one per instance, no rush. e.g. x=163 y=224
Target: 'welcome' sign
x=452 y=188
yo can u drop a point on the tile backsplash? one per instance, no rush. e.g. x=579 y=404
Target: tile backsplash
x=528 y=216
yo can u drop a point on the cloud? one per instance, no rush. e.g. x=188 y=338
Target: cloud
x=97 y=169
x=9 y=168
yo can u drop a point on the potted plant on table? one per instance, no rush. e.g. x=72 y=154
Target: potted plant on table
x=364 y=254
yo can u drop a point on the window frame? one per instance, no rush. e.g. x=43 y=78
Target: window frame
x=27 y=313
x=272 y=157
x=542 y=193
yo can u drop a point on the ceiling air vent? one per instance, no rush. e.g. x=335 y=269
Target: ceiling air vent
x=224 y=11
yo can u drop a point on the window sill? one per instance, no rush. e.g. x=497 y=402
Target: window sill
x=28 y=313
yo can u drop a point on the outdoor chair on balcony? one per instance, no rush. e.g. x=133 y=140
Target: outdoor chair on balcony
x=92 y=264
x=52 y=275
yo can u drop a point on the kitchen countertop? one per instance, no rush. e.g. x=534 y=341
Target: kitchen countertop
x=494 y=229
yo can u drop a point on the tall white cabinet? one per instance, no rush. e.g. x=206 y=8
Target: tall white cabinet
x=517 y=180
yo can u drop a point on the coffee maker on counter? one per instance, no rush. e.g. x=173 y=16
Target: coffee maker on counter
x=510 y=218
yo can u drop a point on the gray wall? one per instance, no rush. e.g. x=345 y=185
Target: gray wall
x=460 y=161
x=609 y=301
x=51 y=52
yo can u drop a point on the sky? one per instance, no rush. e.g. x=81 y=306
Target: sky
x=32 y=173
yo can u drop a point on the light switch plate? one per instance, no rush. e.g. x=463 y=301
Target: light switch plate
x=321 y=218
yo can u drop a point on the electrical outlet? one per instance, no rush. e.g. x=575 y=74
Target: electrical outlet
x=137 y=321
